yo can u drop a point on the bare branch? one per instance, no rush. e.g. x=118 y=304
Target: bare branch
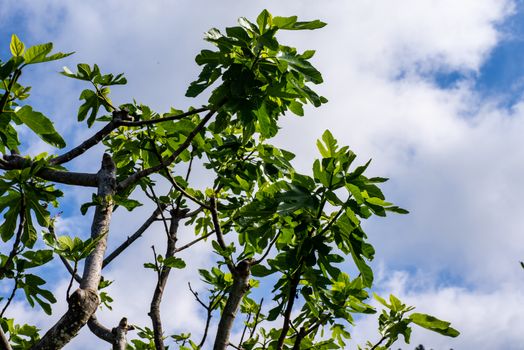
x=100 y=226
x=256 y=319
x=263 y=257
x=11 y=297
x=73 y=274
x=100 y=330
x=87 y=144
x=164 y=119
x=185 y=246
x=130 y=239
x=244 y=331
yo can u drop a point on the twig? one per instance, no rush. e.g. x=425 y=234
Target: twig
x=13 y=292
x=379 y=342
x=264 y=256
x=164 y=119
x=134 y=236
x=256 y=319
x=164 y=221
x=157 y=267
x=244 y=330
x=185 y=246
x=18 y=237
x=71 y=280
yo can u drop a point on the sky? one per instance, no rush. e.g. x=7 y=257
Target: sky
x=431 y=90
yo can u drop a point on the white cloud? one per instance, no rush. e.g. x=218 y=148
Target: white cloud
x=486 y=320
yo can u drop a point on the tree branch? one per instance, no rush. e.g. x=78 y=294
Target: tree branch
x=4 y=342
x=264 y=256
x=11 y=297
x=218 y=230
x=65 y=177
x=164 y=119
x=240 y=287
x=163 y=276
x=289 y=307
x=131 y=180
x=116 y=336
x=87 y=144
x=84 y=302
x=100 y=330
x=130 y=239
x=101 y=220
x=18 y=237
x=185 y=246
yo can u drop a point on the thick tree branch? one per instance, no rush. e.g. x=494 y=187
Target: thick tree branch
x=4 y=342
x=100 y=226
x=238 y=290
x=84 y=301
x=59 y=176
x=82 y=304
x=116 y=337
x=100 y=330
x=130 y=239
x=131 y=180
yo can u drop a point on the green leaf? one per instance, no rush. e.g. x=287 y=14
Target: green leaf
x=17 y=47
x=316 y=24
x=38 y=54
x=174 y=262
x=284 y=22
x=261 y=271
x=41 y=125
x=92 y=103
x=264 y=20
x=434 y=324
x=296 y=107
x=302 y=66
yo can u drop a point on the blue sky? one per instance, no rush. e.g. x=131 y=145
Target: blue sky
x=432 y=91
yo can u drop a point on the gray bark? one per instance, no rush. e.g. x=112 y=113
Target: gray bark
x=238 y=290
x=84 y=302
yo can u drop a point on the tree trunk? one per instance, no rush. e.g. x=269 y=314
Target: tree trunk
x=84 y=301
